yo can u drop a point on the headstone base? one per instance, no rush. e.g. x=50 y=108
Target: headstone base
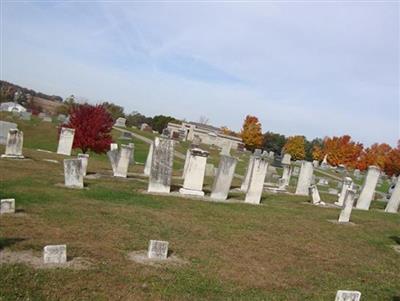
x=334 y=221
x=191 y=192
x=13 y=156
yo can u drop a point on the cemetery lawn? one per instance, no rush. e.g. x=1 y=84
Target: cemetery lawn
x=283 y=249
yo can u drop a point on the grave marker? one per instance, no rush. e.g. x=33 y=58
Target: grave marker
x=394 y=201
x=223 y=178
x=158 y=249
x=85 y=160
x=257 y=178
x=55 y=254
x=348 y=296
x=66 y=141
x=368 y=190
x=347 y=184
x=147 y=166
x=73 y=176
x=246 y=180
x=15 y=141
x=344 y=216
x=305 y=178
x=7 y=206
x=194 y=178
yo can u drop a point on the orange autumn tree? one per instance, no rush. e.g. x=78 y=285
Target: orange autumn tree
x=251 y=133
x=295 y=146
x=340 y=150
x=392 y=164
x=377 y=155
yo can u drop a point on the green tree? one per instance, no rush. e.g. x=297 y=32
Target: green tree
x=160 y=122
x=273 y=142
x=115 y=110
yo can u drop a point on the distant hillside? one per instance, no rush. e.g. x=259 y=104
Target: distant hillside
x=32 y=100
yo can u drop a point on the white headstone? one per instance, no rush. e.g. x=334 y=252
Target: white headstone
x=132 y=159
x=348 y=296
x=161 y=166
x=286 y=160
x=344 y=216
x=226 y=148
x=147 y=166
x=187 y=158
x=7 y=206
x=347 y=184
x=315 y=163
x=158 y=249
x=368 y=190
x=5 y=127
x=15 y=141
x=394 y=201
x=113 y=156
x=114 y=146
x=124 y=157
x=120 y=122
x=223 y=178
x=73 y=176
x=194 y=177
x=85 y=160
x=66 y=141
x=315 y=197
x=55 y=254
x=246 y=180
x=305 y=178
x=257 y=179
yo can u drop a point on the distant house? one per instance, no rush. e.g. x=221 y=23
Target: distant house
x=12 y=107
x=207 y=134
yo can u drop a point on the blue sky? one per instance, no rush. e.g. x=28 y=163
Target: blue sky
x=312 y=68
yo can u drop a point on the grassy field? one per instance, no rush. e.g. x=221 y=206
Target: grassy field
x=283 y=249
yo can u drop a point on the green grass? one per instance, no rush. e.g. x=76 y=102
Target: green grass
x=281 y=250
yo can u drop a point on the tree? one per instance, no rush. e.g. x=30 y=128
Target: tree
x=295 y=146
x=251 y=133
x=392 y=165
x=93 y=125
x=273 y=142
x=137 y=119
x=160 y=122
x=377 y=155
x=226 y=131
x=310 y=146
x=340 y=150
x=115 y=110
x=67 y=106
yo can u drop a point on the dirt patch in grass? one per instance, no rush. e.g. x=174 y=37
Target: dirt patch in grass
x=27 y=257
x=141 y=257
x=333 y=221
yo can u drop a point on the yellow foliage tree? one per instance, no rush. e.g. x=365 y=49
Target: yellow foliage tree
x=295 y=146
x=251 y=133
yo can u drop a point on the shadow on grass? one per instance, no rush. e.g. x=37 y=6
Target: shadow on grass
x=6 y=242
x=396 y=239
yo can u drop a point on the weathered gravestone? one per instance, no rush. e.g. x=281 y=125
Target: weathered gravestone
x=368 y=190
x=246 y=180
x=120 y=122
x=73 y=176
x=147 y=166
x=394 y=201
x=122 y=164
x=85 y=161
x=344 y=216
x=126 y=136
x=348 y=296
x=55 y=254
x=132 y=159
x=323 y=182
x=296 y=171
x=7 y=206
x=161 y=166
x=226 y=148
x=223 y=178
x=357 y=173
x=158 y=249
x=187 y=158
x=66 y=141
x=114 y=146
x=113 y=157
x=347 y=184
x=15 y=141
x=287 y=171
x=315 y=163
x=305 y=178
x=5 y=127
x=194 y=177
x=315 y=197
x=257 y=179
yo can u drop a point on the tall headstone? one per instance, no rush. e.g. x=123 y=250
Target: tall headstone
x=368 y=190
x=73 y=176
x=344 y=216
x=7 y=206
x=246 y=180
x=55 y=254
x=161 y=166
x=324 y=163
x=348 y=296
x=15 y=141
x=113 y=156
x=147 y=166
x=85 y=160
x=305 y=178
x=287 y=170
x=223 y=178
x=194 y=177
x=158 y=249
x=66 y=141
x=347 y=184
x=257 y=178
x=394 y=201
x=124 y=157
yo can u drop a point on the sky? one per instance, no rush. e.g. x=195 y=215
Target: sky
x=313 y=68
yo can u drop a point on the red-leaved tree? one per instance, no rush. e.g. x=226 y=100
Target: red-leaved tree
x=93 y=125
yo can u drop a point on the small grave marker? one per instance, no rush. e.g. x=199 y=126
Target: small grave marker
x=7 y=206
x=158 y=249
x=55 y=254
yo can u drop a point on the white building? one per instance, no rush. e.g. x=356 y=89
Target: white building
x=207 y=134
x=12 y=107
